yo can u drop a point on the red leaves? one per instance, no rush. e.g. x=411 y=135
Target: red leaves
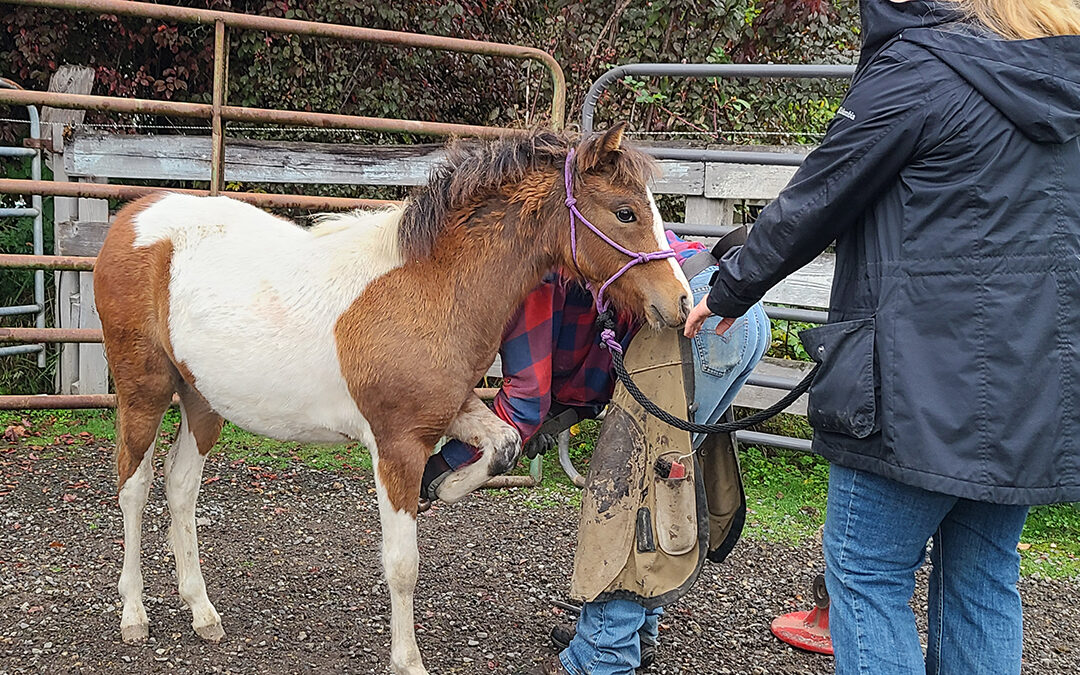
x=14 y=432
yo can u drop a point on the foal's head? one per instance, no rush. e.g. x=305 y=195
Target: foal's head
x=609 y=189
x=514 y=189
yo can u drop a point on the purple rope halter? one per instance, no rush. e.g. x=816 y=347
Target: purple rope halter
x=607 y=335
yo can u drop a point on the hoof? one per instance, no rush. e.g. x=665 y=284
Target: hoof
x=505 y=456
x=136 y=634
x=212 y=633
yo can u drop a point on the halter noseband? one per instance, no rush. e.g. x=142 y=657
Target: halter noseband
x=607 y=335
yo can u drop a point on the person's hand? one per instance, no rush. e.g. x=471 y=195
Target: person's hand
x=697 y=318
x=539 y=444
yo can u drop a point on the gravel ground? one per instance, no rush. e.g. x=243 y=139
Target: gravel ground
x=291 y=559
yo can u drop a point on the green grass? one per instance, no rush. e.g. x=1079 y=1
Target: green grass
x=239 y=444
x=1053 y=532
x=50 y=428
x=785 y=491
x=785 y=494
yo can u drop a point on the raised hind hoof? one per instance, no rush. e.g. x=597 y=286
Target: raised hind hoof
x=212 y=633
x=506 y=455
x=135 y=634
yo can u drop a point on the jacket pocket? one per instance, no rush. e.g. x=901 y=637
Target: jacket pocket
x=843 y=398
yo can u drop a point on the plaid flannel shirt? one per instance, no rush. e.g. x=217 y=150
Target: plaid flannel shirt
x=551 y=354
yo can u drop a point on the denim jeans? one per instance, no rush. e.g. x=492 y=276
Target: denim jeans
x=606 y=642
x=876 y=533
x=609 y=636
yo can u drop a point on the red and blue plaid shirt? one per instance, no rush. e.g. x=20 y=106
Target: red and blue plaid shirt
x=551 y=354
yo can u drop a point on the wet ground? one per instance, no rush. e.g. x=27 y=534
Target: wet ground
x=291 y=562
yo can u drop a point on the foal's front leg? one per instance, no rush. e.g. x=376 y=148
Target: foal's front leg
x=499 y=442
x=398 y=465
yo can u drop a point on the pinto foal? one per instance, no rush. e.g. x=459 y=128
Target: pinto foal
x=369 y=326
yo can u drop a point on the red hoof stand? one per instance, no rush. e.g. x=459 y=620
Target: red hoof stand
x=808 y=630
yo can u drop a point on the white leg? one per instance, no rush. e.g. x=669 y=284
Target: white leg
x=499 y=442
x=134 y=627
x=401 y=563
x=183 y=477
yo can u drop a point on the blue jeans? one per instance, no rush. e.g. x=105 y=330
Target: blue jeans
x=606 y=642
x=876 y=532
x=609 y=636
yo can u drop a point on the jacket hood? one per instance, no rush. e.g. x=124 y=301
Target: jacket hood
x=883 y=20
x=1033 y=83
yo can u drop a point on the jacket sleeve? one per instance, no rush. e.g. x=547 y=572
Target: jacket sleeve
x=872 y=137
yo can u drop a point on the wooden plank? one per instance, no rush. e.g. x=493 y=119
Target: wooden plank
x=93 y=369
x=188 y=158
x=760 y=398
x=495 y=369
x=72 y=80
x=679 y=178
x=80 y=237
x=67 y=316
x=746 y=181
x=808 y=287
x=67 y=80
x=705 y=211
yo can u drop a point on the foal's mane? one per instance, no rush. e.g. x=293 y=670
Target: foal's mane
x=477 y=168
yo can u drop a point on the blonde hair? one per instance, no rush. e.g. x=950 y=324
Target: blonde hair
x=1025 y=19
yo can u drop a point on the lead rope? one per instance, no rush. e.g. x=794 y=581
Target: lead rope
x=606 y=321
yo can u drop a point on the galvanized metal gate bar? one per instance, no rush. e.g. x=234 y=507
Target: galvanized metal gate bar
x=698 y=70
x=117 y=191
x=35 y=211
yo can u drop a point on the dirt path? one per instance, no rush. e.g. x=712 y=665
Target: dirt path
x=292 y=564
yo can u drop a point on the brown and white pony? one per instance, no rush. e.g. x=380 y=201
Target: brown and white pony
x=369 y=326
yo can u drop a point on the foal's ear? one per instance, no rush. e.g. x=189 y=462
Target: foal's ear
x=603 y=148
x=611 y=141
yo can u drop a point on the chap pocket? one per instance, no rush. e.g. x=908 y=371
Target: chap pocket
x=843 y=398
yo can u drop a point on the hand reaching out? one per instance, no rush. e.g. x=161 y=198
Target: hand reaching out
x=697 y=318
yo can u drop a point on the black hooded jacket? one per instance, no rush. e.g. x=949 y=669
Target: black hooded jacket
x=950 y=182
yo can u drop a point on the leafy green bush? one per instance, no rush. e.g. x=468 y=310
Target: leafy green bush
x=149 y=59
x=785 y=340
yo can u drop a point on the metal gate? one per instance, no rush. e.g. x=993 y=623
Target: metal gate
x=217 y=113
x=34 y=211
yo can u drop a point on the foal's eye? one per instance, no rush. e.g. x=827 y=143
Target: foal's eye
x=625 y=216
